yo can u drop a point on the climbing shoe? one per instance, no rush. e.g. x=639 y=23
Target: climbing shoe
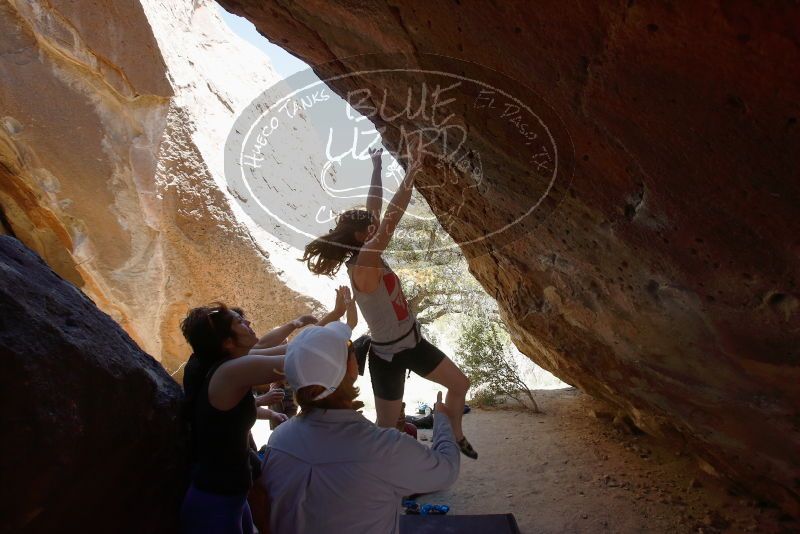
x=467 y=449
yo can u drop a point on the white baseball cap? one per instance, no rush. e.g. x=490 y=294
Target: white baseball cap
x=317 y=356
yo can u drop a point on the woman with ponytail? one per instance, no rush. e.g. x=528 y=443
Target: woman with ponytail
x=358 y=241
x=228 y=360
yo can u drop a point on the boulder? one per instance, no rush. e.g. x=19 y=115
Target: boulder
x=92 y=437
x=660 y=272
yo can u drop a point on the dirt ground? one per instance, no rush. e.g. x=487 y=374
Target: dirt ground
x=569 y=471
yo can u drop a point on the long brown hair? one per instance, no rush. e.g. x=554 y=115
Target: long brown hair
x=326 y=254
x=205 y=328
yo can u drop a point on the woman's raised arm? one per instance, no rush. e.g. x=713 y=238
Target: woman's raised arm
x=236 y=377
x=367 y=272
x=276 y=336
x=375 y=195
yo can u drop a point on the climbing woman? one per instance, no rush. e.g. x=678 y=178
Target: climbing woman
x=358 y=241
x=228 y=360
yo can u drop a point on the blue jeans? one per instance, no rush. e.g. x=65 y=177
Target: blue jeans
x=211 y=513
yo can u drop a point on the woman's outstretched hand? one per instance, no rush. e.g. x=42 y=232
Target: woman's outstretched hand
x=304 y=320
x=273 y=396
x=278 y=417
x=346 y=303
x=350 y=304
x=340 y=305
x=342 y=298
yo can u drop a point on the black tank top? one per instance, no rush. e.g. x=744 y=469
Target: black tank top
x=222 y=443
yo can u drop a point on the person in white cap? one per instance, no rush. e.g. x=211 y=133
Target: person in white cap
x=229 y=359
x=330 y=469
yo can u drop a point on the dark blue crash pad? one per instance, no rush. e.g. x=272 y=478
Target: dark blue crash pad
x=458 y=524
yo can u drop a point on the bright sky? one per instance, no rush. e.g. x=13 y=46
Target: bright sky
x=284 y=62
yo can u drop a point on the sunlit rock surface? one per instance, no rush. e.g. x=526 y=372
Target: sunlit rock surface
x=92 y=434
x=113 y=117
x=663 y=277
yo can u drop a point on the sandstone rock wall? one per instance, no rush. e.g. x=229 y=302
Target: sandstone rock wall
x=92 y=435
x=663 y=277
x=113 y=116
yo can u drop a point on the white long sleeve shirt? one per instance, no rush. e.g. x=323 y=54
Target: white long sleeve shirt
x=335 y=471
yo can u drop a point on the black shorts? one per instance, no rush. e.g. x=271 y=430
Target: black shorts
x=389 y=378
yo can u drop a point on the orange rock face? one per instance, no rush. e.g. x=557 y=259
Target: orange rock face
x=660 y=272
x=108 y=156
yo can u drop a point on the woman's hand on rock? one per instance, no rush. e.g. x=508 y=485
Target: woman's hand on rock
x=375 y=154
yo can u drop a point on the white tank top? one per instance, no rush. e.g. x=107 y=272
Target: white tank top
x=392 y=324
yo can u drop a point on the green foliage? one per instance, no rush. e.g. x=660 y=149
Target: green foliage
x=484 y=397
x=437 y=283
x=435 y=275
x=488 y=363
